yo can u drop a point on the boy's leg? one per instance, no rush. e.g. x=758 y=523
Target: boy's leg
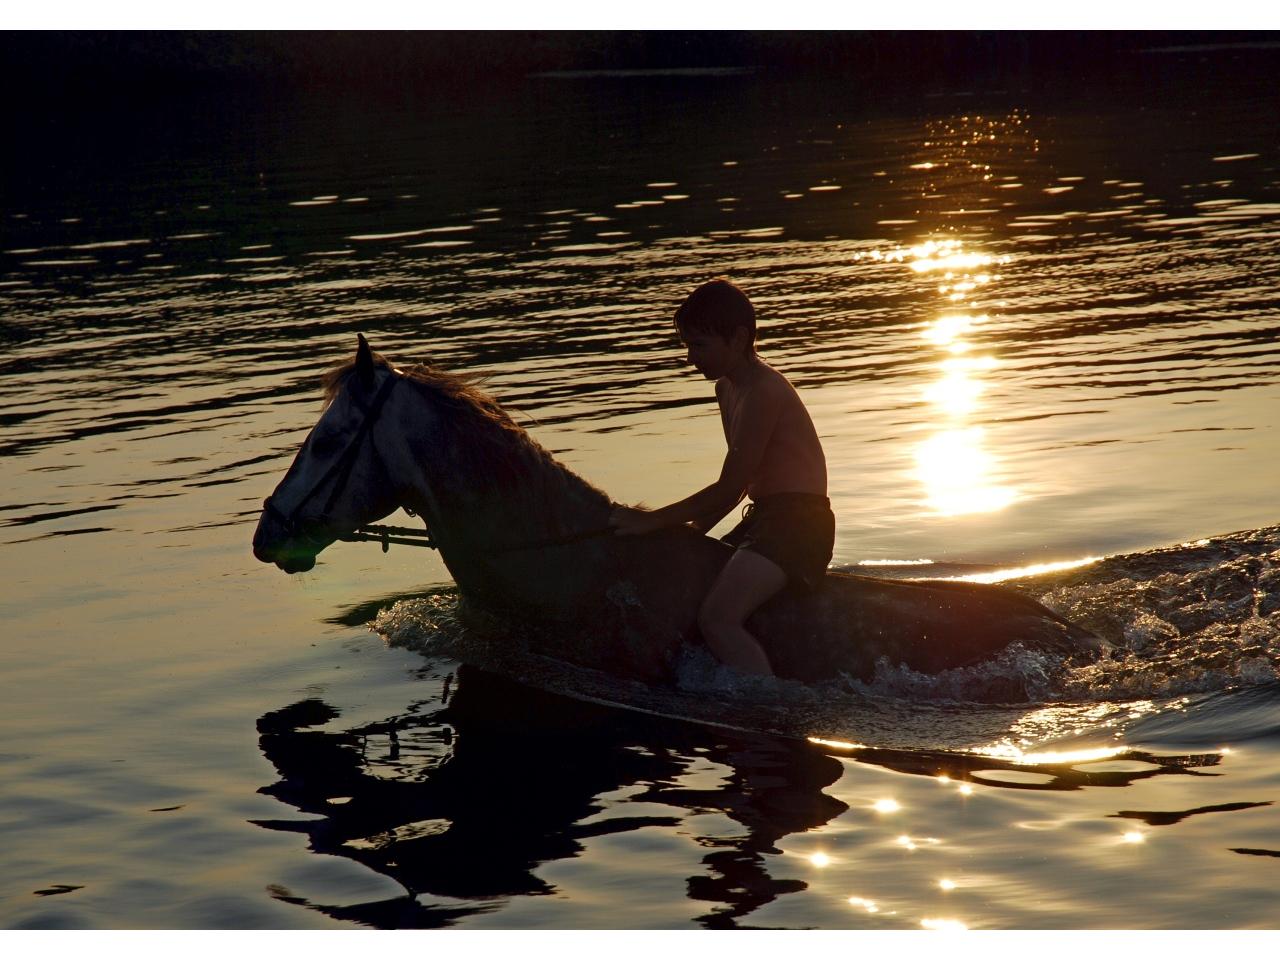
x=746 y=581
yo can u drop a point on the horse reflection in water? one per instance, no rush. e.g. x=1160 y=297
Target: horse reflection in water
x=461 y=804
x=466 y=802
x=527 y=542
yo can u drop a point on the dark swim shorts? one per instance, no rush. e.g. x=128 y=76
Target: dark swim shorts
x=797 y=531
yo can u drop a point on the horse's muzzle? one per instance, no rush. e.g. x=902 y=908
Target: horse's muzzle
x=297 y=563
x=274 y=542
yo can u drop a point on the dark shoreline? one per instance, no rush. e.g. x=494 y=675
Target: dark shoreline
x=93 y=62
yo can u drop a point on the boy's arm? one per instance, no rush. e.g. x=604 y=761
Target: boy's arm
x=722 y=401
x=747 y=444
x=705 y=523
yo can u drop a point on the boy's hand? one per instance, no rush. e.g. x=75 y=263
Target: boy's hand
x=630 y=522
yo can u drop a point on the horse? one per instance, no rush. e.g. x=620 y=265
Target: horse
x=529 y=547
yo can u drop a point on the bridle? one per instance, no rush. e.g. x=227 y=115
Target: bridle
x=342 y=467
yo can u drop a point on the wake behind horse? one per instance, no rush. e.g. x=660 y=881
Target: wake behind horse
x=526 y=540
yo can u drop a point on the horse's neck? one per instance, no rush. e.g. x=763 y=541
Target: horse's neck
x=488 y=488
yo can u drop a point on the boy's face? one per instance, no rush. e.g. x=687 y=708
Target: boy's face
x=711 y=354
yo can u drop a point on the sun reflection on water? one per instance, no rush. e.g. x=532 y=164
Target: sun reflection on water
x=946 y=254
x=957 y=392
x=931 y=923
x=958 y=472
x=1007 y=751
x=947 y=330
x=869 y=905
x=1045 y=725
x=955 y=469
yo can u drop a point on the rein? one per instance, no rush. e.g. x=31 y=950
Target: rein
x=411 y=537
x=406 y=536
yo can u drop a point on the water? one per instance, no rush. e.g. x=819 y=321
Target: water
x=1033 y=326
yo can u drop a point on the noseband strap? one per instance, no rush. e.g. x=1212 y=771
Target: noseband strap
x=342 y=467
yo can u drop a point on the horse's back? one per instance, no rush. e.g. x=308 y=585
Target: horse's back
x=928 y=625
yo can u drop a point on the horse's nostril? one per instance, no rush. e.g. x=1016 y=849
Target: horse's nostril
x=266 y=538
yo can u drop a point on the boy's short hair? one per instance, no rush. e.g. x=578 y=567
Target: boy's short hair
x=718 y=307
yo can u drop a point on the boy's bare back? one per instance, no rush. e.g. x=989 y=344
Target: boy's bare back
x=765 y=414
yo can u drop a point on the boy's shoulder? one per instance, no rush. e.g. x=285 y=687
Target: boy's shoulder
x=769 y=380
x=773 y=383
x=770 y=389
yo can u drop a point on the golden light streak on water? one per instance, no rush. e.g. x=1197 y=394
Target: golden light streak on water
x=966 y=365
x=868 y=905
x=913 y=843
x=886 y=806
x=837 y=744
x=956 y=394
x=820 y=859
x=931 y=923
x=948 y=329
x=1007 y=751
x=946 y=255
x=1051 y=724
x=1032 y=570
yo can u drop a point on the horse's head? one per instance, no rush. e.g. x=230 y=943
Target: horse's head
x=339 y=479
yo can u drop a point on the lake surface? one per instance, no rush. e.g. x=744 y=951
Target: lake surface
x=1033 y=325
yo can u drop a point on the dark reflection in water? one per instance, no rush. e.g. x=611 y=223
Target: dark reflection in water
x=1249 y=851
x=426 y=797
x=431 y=797
x=773 y=790
x=1157 y=818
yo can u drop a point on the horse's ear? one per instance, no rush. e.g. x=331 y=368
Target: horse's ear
x=364 y=361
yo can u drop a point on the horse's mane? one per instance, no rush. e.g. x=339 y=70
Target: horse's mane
x=488 y=443
x=460 y=392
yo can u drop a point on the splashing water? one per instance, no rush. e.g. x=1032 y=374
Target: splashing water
x=1196 y=618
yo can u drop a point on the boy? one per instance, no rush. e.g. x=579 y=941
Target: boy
x=774 y=457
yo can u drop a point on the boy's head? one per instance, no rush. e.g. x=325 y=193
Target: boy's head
x=718 y=307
